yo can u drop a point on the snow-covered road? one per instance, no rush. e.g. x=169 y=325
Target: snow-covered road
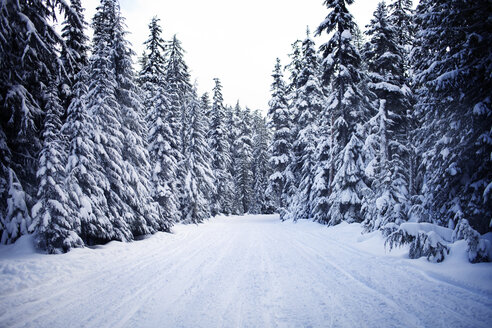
x=252 y=271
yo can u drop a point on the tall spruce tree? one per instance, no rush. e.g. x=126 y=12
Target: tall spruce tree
x=74 y=51
x=86 y=199
x=309 y=102
x=294 y=67
x=103 y=106
x=280 y=147
x=56 y=230
x=160 y=138
x=153 y=65
x=28 y=62
x=244 y=174
x=178 y=89
x=141 y=215
x=262 y=199
x=220 y=154
x=453 y=76
x=199 y=179
x=349 y=106
x=388 y=166
x=233 y=122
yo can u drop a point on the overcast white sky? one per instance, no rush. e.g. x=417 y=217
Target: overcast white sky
x=236 y=41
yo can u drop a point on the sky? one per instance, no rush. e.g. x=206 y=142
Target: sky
x=235 y=41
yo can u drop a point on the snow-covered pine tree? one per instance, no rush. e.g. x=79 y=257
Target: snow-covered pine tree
x=294 y=68
x=178 y=88
x=199 y=179
x=454 y=79
x=164 y=155
x=233 y=122
x=387 y=168
x=52 y=221
x=280 y=147
x=85 y=178
x=74 y=51
x=108 y=136
x=401 y=16
x=348 y=184
x=206 y=107
x=221 y=201
x=309 y=104
x=348 y=107
x=28 y=60
x=244 y=175
x=153 y=64
x=160 y=138
x=141 y=214
x=262 y=200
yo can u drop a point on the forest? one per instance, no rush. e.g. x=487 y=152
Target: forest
x=389 y=126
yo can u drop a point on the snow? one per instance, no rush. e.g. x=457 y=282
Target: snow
x=251 y=271
x=413 y=228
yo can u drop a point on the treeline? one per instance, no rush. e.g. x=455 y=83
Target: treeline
x=390 y=127
x=92 y=151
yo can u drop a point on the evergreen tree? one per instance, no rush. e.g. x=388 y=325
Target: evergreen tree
x=453 y=76
x=74 y=52
x=178 y=88
x=244 y=175
x=280 y=148
x=199 y=180
x=51 y=215
x=309 y=103
x=233 y=122
x=220 y=154
x=85 y=178
x=388 y=167
x=141 y=214
x=348 y=106
x=153 y=63
x=294 y=67
x=103 y=106
x=348 y=185
x=163 y=157
x=262 y=200
x=160 y=138
x=28 y=61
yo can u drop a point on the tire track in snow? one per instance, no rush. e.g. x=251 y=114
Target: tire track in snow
x=437 y=299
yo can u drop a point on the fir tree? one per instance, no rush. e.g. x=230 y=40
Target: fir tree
x=178 y=88
x=220 y=154
x=199 y=180
x=280 y=148
x=233 y=122
x=85 y=178
x=51 y=215
x=151 y=76
x=348 y=106
x=28 y=61
x=262 y=200
x=453 y=76
x=388 y=168
x=294 y=67
x=103 y=105
x=309 y=103
x=348 y=185
x=74 y=52
x=141 y=214
x=244 y=174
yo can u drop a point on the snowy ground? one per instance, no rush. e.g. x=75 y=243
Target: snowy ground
x=252 y=271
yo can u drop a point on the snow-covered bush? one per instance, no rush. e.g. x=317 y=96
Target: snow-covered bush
x=478 y=249
x=425 y=239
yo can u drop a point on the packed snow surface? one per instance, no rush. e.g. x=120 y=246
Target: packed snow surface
x=250 y=271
